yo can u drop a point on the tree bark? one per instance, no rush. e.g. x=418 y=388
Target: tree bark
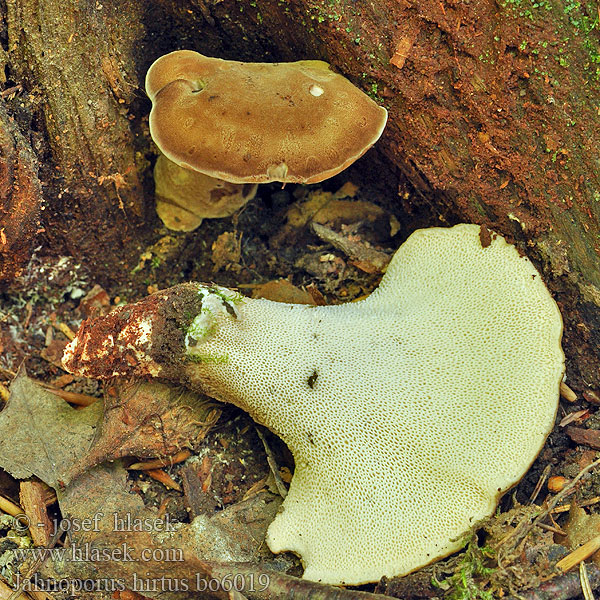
x=20 y=199
x=494 y=116
x=76 y=64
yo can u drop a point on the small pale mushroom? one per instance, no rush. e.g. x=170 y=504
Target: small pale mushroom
x=184 y=198
x=219 y=121
x=408 y=413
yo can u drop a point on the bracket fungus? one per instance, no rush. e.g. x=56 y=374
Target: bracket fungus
x=246 y=123
x=408 y=413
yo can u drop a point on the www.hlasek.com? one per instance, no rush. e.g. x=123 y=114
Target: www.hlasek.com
x=199 y=583
x=90 y=552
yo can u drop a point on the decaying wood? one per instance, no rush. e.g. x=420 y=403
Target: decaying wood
x=20 y=198
x=586 y=437
x=33 y=500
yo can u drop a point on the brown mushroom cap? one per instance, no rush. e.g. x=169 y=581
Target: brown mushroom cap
x=255 y=122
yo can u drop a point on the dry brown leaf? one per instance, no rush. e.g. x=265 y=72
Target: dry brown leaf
x=40 y=434
x=585 y=437
x=148 y=419
x=282 y=290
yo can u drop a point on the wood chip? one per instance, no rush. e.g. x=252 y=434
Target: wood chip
x=33 y=500
x=255 y=488
x=567 y=393
x=592 y=397
x=402 y=51
x=579 y=554
x=586 y=437
x=577 y=415
x=363 y=257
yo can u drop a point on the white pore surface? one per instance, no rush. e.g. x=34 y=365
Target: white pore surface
x=407 y=413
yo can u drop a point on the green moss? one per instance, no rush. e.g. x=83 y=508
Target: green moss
x=233 y=298
x=214 y=359
x=471 y=574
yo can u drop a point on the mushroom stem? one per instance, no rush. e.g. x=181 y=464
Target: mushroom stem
x=185 y=197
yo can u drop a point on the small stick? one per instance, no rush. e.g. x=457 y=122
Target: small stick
x=585 y=582
x=164 y=478
x=540 y=484
x=66 y=330
x=10 y=507
x=567 y=507
x=561 y=588
x=579 y=554
x=159 y=463
x=15 y=89
x=552 y=528
x=32 y=498
x=564 y=492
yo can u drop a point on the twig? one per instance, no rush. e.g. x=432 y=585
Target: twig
x=15 y=89
x=585 y=582
x=562 y=588
x=551 y=528
x=540 y=484
x=524 y=528
x=10 y=507
x=567 y=507
x=159 y=463
x=566 y=490
x=164 y=478
x=579 y=554
x=66 y=330
x=265 y=584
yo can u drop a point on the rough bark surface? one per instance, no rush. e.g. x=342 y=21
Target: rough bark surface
x=76 y=63
x=493 y=106
x=20 y=198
